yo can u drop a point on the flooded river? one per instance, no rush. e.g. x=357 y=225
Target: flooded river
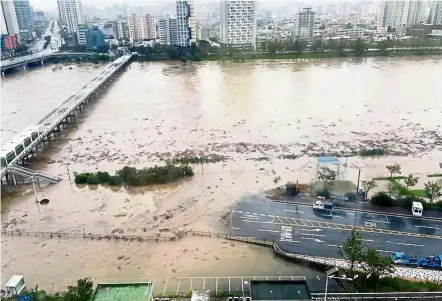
x=254 y=113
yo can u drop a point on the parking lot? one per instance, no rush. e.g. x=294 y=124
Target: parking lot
x=234 y=285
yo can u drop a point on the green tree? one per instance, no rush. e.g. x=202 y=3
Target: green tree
x=376 y=265
x=411 y=181
x=432 y=189
x=352 y=251
x=82 y=292
x=317 y=46
x=326 y=175
x=358 y=46
x=368 y=185
x=273 y=46
x=393 y=169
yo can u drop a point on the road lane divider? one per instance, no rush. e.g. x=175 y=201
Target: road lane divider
x=296 y=211
x=427 y=227
x=287 y=240
x=313 y=239
x=310 y=234
x=405 y=244
x=235 y=228
x=315 y=230
x=267 y=230
x=250 y=217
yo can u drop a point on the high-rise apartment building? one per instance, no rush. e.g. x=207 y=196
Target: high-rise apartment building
x=304 y=24
x=185 y=11
x=435 y=16
x=141 y=27
x=238 y=23
x=122 y=31
x=168 y=30
x=23 y=11
x=8 y=22
x=71 y=14
x=399 y=14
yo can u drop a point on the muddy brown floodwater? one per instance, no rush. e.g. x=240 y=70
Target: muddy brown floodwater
x=253 y=113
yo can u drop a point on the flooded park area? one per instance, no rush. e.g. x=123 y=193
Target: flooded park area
x=268 y=118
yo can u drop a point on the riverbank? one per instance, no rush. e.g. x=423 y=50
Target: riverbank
x=321 y=55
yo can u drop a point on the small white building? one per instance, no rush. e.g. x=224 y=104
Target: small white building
x=16 y=284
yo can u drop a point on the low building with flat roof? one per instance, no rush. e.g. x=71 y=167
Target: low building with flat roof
x=267 y=290
x=133 y=291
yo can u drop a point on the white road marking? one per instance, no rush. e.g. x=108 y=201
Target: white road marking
x=338 y=216
x=369 y=240
x=314 y=239
x=336 y=246
x=255 y=213
x=383 y=251
x=414 y=245
x=250 y=217
x=293 y=210
x=378 y=222
x=310 y=234
x=234 y=228
x=426 y=227
x=247 y=212
x=312 y=230
x=262 y=214
x=239 y=211
x=254 y=221
x=266 y=230
x=286 y=240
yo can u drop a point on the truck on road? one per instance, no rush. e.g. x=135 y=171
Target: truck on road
x=323 y=204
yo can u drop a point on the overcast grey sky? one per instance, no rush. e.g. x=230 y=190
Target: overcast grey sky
x=48 y=5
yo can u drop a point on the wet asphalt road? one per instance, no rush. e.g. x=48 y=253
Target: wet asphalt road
x=300 y=229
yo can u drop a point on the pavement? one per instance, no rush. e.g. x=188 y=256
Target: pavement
x=299 y=229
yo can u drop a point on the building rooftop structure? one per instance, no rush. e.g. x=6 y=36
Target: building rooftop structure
x=134 y=291
x=279 y=290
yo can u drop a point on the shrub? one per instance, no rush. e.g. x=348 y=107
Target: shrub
x=126 y=171
x=291 y=189
x=81 y=178
x=382 y=199
x=93 y=180
x=103 y=176
x=366 y=152
x=323 y=192
x=115 y=181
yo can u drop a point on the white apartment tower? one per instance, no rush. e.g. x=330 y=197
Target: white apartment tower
x=71 y=14
x=398 y=14
x=238 y=23
x=9 y=23
x=435 y=16
x=141 y=27
x=185 y=12
x=168 y=30
x=304 y=24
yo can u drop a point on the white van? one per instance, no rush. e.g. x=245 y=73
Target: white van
x=417 y=209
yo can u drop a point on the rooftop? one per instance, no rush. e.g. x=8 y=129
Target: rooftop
x=279 y=290
x=134 y=291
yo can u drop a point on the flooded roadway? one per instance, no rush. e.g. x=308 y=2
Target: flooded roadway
x=251 y=112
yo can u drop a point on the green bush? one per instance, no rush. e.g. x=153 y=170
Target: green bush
x=366 y=152
x=115 y=181
x=323 y=192
x=154 y=175
x=103 y=176
x=219 y=294
x=382 y=199
x=81 y=178
x=93 y=180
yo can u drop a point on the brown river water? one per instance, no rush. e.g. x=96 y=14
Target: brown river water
x=251 y=112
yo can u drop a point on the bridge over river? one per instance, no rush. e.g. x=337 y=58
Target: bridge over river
x=32 y=139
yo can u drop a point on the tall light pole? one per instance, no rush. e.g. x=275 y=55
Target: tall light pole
x=329 y=274
x=33 y=185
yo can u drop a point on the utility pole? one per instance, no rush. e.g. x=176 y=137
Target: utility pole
x=69 y=174
x=359 y=177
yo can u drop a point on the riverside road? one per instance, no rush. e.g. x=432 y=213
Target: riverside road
x=300 y=229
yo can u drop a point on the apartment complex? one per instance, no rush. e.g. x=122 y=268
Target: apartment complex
x=122 y=30
x=238 y=23
x=304 y=24
x=399 y=14
x=8 y=22
x=435 y=16
x=185 y=11
x=168 y=30
x=23 y=11
x=70 y=14
x=141 y=27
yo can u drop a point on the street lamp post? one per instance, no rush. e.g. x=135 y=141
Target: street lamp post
x=330 y=276
x=33 y=185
